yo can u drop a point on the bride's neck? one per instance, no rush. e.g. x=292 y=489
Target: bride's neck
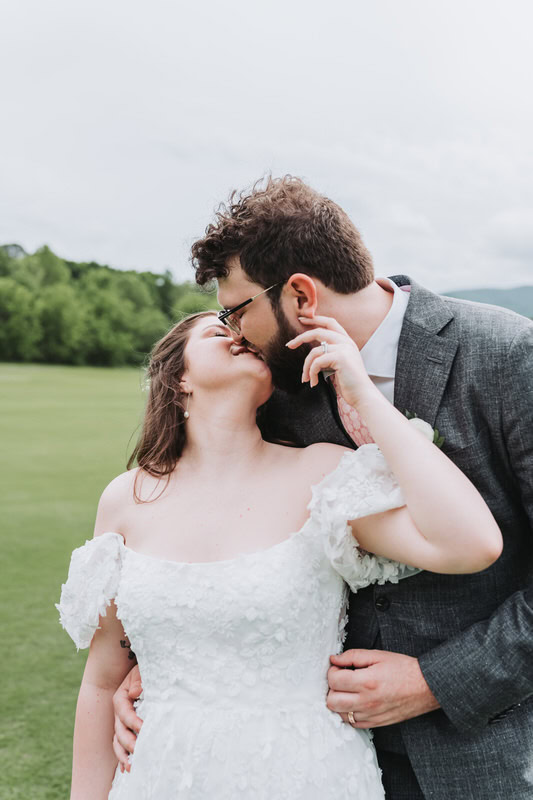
x=220 y=435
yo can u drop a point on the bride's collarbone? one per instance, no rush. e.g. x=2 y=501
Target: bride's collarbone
x=193 y=520
x=213 y=533
x=212 y=510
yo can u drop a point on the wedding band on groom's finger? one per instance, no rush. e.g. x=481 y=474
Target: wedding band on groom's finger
x=351 y=719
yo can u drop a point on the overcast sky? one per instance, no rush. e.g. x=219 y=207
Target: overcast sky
x=125 y=123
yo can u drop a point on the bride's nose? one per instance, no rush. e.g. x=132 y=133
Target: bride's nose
x=238 y=338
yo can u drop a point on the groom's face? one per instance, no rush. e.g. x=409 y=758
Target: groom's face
x=265 y=329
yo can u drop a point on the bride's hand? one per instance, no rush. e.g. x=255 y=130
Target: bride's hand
x=127 y=723
x=342 y=357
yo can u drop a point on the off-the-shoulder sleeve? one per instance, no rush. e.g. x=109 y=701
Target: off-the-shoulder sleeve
x=362 y=484
x=92 y=583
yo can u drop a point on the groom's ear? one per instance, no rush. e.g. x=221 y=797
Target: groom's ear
x=300 y=296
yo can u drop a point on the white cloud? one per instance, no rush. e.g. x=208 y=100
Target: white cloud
x=128 y=123
x=510 y=234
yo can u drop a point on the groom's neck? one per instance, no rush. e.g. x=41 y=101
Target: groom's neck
x=360 y=313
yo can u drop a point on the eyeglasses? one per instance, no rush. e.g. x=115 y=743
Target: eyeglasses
x=230 y=317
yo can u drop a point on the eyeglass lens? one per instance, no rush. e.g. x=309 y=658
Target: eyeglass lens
x=233 y=322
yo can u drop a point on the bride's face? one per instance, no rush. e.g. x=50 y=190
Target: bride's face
x=214 y=361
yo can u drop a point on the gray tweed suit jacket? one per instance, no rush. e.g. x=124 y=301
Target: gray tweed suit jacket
x=467 y=369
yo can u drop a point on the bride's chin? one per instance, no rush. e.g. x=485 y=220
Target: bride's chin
x=257 y=375
x=263 y=385
x=258 y=367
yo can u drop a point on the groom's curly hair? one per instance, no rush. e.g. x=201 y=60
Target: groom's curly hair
x=282 y=226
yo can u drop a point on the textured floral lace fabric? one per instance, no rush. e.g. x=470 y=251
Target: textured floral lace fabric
x=234 y=654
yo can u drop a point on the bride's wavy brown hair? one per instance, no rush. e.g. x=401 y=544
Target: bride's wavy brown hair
x=163 y=432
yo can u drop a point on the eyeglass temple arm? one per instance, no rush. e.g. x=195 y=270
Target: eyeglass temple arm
x=226 y=312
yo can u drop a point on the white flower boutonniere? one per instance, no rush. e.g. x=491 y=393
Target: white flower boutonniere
x=425 y=429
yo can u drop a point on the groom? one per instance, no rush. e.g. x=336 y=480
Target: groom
x=439 y=666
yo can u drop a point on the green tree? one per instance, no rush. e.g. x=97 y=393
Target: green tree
x=166 y=289
x=5 y=263
x=110 y=322
x=132 y=287
x=150 y=325
x=63 y=324
x=194 y=300
x=53 y=268
x=43 y=268
x=94 y=281
x=84 y=312
x=28 y=272
x=20 y=330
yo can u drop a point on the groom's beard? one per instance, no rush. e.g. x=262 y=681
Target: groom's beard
x=285 y=365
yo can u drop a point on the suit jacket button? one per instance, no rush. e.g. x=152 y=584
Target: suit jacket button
x=382 y=603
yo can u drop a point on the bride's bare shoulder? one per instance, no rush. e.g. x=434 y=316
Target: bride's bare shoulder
x=324 y=451
x=120 y=487
x=318 y=460
x=113 y=500
x=119 y=497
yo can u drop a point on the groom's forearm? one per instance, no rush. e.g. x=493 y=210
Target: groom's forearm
x=94 y=762
x=486 y=670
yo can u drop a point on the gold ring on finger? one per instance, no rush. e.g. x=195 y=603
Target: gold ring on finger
x=351 y=719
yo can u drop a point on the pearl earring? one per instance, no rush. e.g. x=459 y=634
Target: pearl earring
x=186 y=412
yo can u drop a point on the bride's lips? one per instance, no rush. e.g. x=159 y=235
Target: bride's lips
x=239 y=349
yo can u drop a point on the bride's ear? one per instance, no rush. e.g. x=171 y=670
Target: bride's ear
x=300 y=296
x=185 y=386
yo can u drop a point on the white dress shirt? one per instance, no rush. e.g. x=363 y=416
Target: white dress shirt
x=380 y=352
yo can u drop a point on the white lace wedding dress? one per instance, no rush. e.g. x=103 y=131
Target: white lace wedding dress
x=234 y=654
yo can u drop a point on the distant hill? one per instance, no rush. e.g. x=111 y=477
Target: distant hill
x=519 y=299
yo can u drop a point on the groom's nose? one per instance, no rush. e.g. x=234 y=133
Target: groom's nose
x=238 y=338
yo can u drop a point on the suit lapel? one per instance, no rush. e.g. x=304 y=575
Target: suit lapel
x=425 y=358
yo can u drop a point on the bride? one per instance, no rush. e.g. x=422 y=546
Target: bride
x=224 y=559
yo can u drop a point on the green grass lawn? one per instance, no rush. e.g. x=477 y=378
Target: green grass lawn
x=64 y=434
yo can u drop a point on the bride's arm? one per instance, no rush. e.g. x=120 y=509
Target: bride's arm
x=94 y=761
x=446 y=525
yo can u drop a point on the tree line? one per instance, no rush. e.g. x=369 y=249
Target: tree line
x=66 y=312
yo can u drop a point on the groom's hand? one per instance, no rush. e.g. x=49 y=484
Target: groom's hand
x=127 y=723
x=379 y=687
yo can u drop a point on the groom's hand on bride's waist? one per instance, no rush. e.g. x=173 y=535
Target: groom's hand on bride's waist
x=127 y=723
x=378 y=687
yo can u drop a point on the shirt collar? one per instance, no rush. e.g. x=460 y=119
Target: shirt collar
x=380 y=352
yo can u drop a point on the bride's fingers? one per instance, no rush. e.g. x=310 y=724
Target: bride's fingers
x=319 y=363
x=316 y=335
x=314 y=353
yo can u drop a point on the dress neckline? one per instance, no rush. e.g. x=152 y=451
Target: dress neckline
x=255 y=553
x=239 y=557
